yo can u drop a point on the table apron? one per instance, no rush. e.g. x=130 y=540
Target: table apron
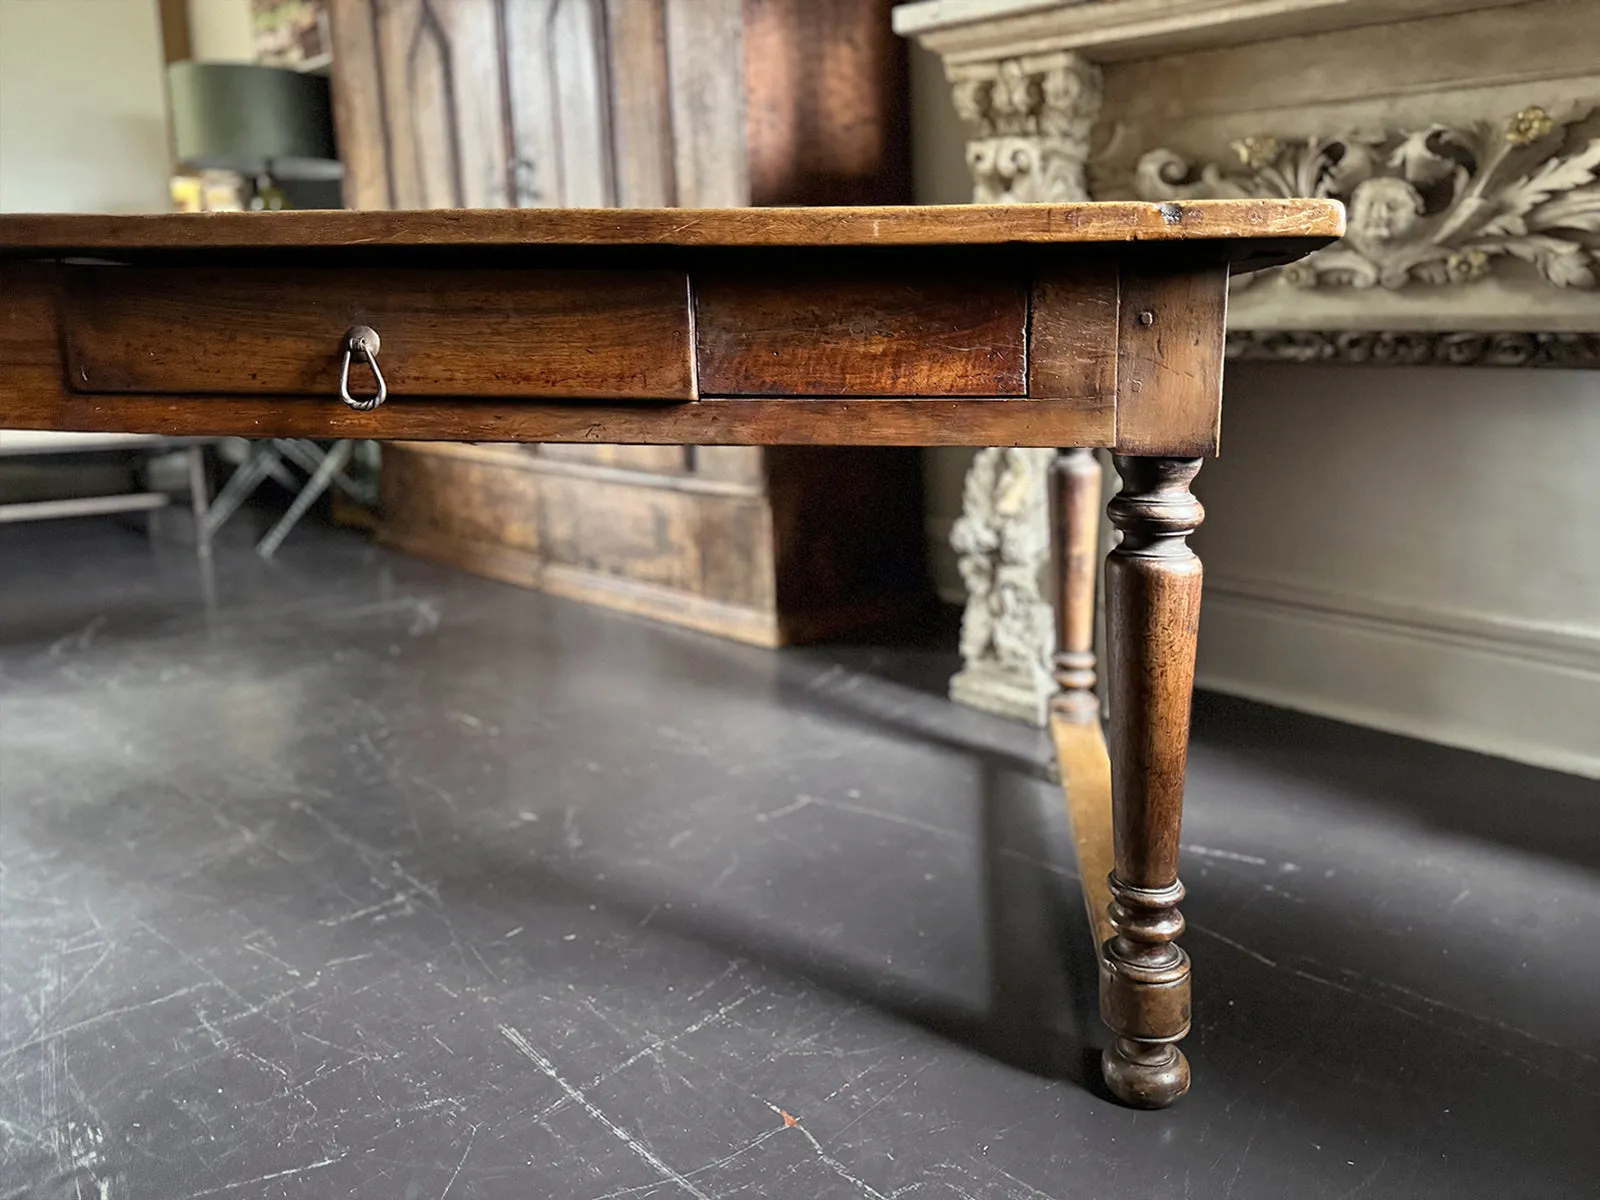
x=1036 y=350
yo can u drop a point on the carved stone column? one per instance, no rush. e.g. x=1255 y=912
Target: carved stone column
x=1007 y=628
x=1030 y=118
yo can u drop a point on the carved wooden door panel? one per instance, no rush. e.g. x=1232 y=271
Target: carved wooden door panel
x=510 y=103
x=641 y=103
x=473 y=103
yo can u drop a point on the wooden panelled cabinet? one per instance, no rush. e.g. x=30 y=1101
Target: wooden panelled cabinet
x=642 y=103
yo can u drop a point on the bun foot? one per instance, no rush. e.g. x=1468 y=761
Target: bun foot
x=1145 y=1075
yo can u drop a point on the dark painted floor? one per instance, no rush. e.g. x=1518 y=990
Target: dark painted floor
x=376 y=879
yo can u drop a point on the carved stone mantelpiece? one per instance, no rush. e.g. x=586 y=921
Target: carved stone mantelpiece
x=1463 y=136
x=1440 y=205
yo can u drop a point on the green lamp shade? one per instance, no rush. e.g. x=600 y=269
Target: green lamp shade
x=255 y=120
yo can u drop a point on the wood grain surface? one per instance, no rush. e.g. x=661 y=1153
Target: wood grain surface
x=820 y=335
x=1169 y=360
x=1072 y=330
x=34 y=399
x=825 y=102
x=1245 y=229
x=614 y=335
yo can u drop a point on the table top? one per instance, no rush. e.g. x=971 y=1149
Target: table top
x=1246 y=229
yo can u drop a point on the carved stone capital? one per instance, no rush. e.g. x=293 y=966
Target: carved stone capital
x=1030 y=118
x=1445 y=204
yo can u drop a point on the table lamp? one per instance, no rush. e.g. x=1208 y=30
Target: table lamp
x=267 y=123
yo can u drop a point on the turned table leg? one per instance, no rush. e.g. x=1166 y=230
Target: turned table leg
x=1075 y=534
x=1152 y=616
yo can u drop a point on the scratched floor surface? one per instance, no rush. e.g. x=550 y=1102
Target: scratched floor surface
x=370 y=878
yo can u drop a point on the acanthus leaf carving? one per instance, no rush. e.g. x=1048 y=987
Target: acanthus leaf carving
x=1438 y=205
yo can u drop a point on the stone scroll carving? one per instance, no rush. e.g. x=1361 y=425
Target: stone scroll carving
x=1446 y=204
x=1030 y=119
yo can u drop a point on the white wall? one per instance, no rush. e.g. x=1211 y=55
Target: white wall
x=83 y=128
x=1414 y=549
x=221 y=31
x=83 y=118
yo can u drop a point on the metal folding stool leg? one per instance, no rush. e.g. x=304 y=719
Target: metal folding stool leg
x=264 y=461
x=199 y=500
x=309 y=457
x=327 y=471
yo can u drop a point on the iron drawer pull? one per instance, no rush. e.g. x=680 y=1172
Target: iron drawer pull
x=362 y=340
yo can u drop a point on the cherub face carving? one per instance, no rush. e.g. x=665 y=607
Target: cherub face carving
x=1382 y=210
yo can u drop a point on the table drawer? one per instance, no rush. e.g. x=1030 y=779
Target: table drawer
x=829 y=332
x=553 y=334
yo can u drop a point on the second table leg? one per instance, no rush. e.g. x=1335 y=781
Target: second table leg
x=1075 y=532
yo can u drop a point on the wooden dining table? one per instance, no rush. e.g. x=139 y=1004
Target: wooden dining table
x=1075 y=326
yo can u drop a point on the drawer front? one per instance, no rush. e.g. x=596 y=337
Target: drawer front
x=837 y=335
x=552 y=334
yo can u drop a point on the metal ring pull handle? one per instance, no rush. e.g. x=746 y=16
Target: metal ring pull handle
x=362 y=340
